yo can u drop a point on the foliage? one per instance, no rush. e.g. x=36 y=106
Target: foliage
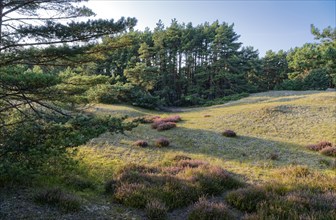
x=140 y=143
x=57 y=197
x=206 y=210
x=175 y=186
x=156 y=210
x=162 y=142
x=33 y=147
x=319 y=146
x=229 y=133
x=246 y=199
x=329 y=151
x=166 y=126
x=38 y=93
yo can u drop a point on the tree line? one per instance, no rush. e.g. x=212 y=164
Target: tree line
x=188 y=65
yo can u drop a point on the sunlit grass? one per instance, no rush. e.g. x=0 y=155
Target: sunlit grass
x=279 y=123
x=272 y=129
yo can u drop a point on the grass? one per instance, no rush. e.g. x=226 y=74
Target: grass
x=269 y=154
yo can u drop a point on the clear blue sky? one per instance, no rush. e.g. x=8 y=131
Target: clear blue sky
x=264 y=25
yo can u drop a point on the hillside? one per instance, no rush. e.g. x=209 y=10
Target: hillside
x=269 y=151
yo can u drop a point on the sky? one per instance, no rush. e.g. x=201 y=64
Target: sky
x=265 y=25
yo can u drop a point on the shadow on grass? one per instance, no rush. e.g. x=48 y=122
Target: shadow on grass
x=241 y=149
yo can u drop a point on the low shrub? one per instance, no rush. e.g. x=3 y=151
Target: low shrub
x=140 y=143
x=246 y=199
x=206 y=210
x=299 y=205
x=156 y=123
x=166 y=126
x=329 y=151
x=131 y=194
x=229 y=133
x=156 y=210
x=174 y=118
x=214 y=180
x=162 y=142
x=319 y=146
x=57 y=197
x=110 y=186
x=273 y=156
x=147 y=119
x=175 y=186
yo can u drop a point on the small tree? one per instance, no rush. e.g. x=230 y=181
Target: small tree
x=37 y=121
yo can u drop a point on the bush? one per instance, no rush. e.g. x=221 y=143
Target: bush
x=166 y=126
x=57 y=197
x=229 y=133
x=246 y=199
x=147 y=119
x=214 y=180
x=145 y=100
x=319 y=146
x=157 y=122
x=156 y=210
x=176 y=186
x=329 y=151
x=131 y=194
x=174 y=118
x=140 y=143
x=110 y=186
x=162 y=142
x=206 y=210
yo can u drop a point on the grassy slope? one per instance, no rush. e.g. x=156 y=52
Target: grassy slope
x=267 y=123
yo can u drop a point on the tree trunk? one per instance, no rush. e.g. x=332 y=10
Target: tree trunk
x=1 y=10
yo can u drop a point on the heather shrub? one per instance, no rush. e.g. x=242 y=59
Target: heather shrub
x=147 y=119
x=246 y=199
x=175 y=186
x=299 y=205
x=206 y=210
x=156 y=123
x=162 y=142
x=174 y=118
x=229 y=133
x=131 y=194
x=319 y=146
x=329 y=151
x=140 y=143
x=57 y=197
x=166 y=126
x=214 y=180
x=156 y=210
x=176 y=193
x=273 y=156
